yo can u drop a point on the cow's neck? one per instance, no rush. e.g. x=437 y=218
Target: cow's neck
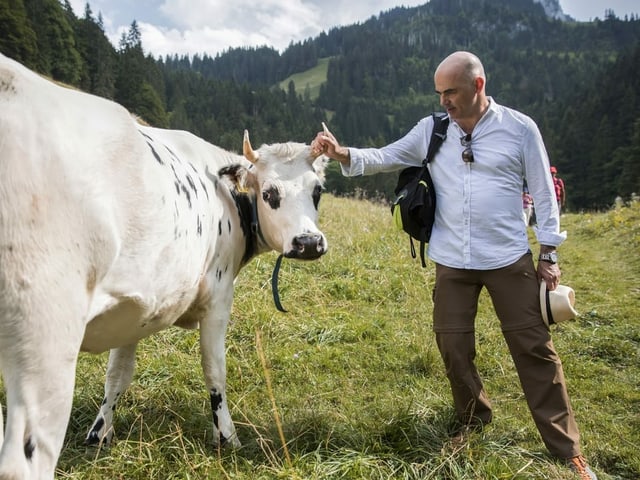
x=247 y=206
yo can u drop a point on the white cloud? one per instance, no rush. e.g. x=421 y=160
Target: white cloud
x=212 y=26
x=161 y=41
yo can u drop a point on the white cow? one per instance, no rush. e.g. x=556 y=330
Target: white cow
x=111 y=231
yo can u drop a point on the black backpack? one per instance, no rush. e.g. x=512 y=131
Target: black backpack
x=414 y=208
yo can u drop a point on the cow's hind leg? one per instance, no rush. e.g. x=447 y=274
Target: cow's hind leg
x=119 y=374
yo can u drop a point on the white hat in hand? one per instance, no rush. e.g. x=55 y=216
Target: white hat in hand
x=557 y=305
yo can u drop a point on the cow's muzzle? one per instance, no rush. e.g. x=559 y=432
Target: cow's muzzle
x=307 y=246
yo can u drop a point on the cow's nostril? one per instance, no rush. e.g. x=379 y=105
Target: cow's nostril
x=307 y=247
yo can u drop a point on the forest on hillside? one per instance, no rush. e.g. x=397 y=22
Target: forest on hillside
x=579 y=80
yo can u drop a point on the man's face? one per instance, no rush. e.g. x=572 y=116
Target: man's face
x=457 y=94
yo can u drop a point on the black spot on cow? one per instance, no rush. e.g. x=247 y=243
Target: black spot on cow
x=145 y=136
x=220 y=227
x=177 y=185
x=219 y=274
x=92 y=437
x=175 y=174
x=216 y=404
x=29 y=448
x=186 y=194
x=245 y=204
x=155 y=154
x=229 y=224
x=204 y=187
x=232 y=171
x=317 y=193
x=271 y=196
x=173 y=155
x=192 y=185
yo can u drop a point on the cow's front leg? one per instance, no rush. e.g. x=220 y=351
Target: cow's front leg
x=119 y=374
x=212 y=337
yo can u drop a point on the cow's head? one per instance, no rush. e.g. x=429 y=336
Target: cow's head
x=287 y=182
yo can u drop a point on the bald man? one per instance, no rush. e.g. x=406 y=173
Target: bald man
x=480 y=241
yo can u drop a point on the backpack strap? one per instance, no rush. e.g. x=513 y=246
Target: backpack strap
x=438 y=135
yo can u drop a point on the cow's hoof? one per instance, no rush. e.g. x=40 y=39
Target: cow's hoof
x=94 y=440
x=224 y=442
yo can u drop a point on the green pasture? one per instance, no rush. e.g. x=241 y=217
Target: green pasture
x=309 y=79
x=355 y=377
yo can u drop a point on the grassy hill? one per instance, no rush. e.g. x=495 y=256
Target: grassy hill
x=311 y=79
x=356 y=374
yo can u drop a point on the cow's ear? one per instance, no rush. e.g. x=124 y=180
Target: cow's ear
x=238 y=177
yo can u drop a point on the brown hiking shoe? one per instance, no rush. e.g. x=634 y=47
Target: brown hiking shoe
x=579 y=465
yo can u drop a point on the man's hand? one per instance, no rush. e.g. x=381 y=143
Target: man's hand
x=326 y=144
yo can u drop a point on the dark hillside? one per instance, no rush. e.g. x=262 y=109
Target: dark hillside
x=578 y=80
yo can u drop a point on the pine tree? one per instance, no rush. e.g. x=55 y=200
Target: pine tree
x=17 y=38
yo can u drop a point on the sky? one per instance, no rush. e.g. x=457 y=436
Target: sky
x=189 y=27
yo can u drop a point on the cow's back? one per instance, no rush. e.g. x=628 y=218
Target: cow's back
x=93 y=209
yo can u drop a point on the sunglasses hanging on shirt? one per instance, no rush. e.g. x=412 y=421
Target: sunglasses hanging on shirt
x=467 y=153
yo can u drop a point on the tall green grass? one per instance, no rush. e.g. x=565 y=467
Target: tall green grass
x=356 y=377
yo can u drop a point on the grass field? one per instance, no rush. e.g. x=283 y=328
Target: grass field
x=356 y=376
x=311 y=79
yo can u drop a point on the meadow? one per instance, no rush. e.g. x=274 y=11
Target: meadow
x=349 y=383
x=308 y=81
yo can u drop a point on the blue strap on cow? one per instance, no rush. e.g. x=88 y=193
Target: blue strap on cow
x=274 y=284
x=256 y=232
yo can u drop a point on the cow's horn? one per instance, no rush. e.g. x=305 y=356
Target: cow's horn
x=249 y=153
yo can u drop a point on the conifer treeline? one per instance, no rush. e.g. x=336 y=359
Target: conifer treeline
x=579 y=80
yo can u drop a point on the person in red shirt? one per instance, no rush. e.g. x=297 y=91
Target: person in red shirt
x=561 y=195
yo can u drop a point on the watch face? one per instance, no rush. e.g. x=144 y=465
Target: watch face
x=550 y=257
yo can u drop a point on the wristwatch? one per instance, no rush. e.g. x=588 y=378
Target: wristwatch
x=551 y=257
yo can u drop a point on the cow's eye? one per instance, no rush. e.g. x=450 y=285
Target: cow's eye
x=317 y=192
x=271 y=195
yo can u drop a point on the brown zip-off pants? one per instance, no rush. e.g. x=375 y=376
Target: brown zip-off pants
x=514 y=293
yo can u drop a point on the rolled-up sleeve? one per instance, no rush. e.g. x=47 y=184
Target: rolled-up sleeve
x=541 y=187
